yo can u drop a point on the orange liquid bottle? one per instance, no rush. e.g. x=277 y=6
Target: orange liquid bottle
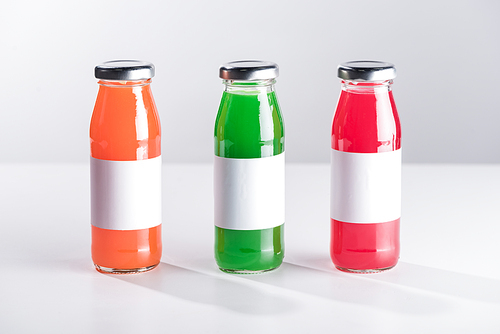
x=125 y=145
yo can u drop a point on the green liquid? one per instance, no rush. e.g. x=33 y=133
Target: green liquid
x=249 y=126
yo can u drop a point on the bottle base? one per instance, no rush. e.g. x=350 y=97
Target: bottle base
x=246 y=272
x=115 y=271
x=363 y=271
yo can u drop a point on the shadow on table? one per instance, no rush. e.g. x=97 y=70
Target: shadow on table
x=409 y=289
x=228 y=292
x=428 y=279
x=353 y=289
x=441 y=281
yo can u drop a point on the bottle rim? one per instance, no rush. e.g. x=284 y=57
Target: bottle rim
x=124 y=83
x=366 y=87
x=249 y=83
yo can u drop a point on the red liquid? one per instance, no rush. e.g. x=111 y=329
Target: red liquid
x=364 y=246
x=366 y=121
x=114 y=134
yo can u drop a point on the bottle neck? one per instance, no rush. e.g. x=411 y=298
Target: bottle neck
x=366 y=87
x=124 y=84
x=249 y=87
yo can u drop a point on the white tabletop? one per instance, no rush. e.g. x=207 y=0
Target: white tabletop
x=447 y=280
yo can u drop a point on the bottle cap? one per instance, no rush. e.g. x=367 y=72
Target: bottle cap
x=249 y=70
x=366 y=70
x=125 y=70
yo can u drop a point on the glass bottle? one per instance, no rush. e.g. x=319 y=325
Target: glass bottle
x=125 y=146
x=365 y=170
x=249 y=173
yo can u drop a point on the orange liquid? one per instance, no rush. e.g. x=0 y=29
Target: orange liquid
x=125 y=127
x=126 y=249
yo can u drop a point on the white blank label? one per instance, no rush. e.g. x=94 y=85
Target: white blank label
x=125 y=195
x=249 y=194
x=365 y=187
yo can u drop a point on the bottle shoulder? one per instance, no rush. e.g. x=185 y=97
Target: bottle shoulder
x=366 y=123
x=125 y=124
x=249 y=126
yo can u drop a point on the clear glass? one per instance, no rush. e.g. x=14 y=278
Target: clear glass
x=125 y=126
x=366 y=121
x=249 y=125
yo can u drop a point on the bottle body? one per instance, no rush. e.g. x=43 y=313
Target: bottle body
x=249 y=179
x=125 y=143
x=366 y=178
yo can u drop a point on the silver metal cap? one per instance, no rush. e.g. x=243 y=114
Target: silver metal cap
x=366 y=70
x=125 y=70
x=249 y=70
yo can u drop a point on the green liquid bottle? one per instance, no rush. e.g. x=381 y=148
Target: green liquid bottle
x=249 y=170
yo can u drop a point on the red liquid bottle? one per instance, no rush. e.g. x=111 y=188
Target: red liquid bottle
x=125 y=168
x=365 y=170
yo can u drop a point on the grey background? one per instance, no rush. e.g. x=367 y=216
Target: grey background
x=446 y=52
